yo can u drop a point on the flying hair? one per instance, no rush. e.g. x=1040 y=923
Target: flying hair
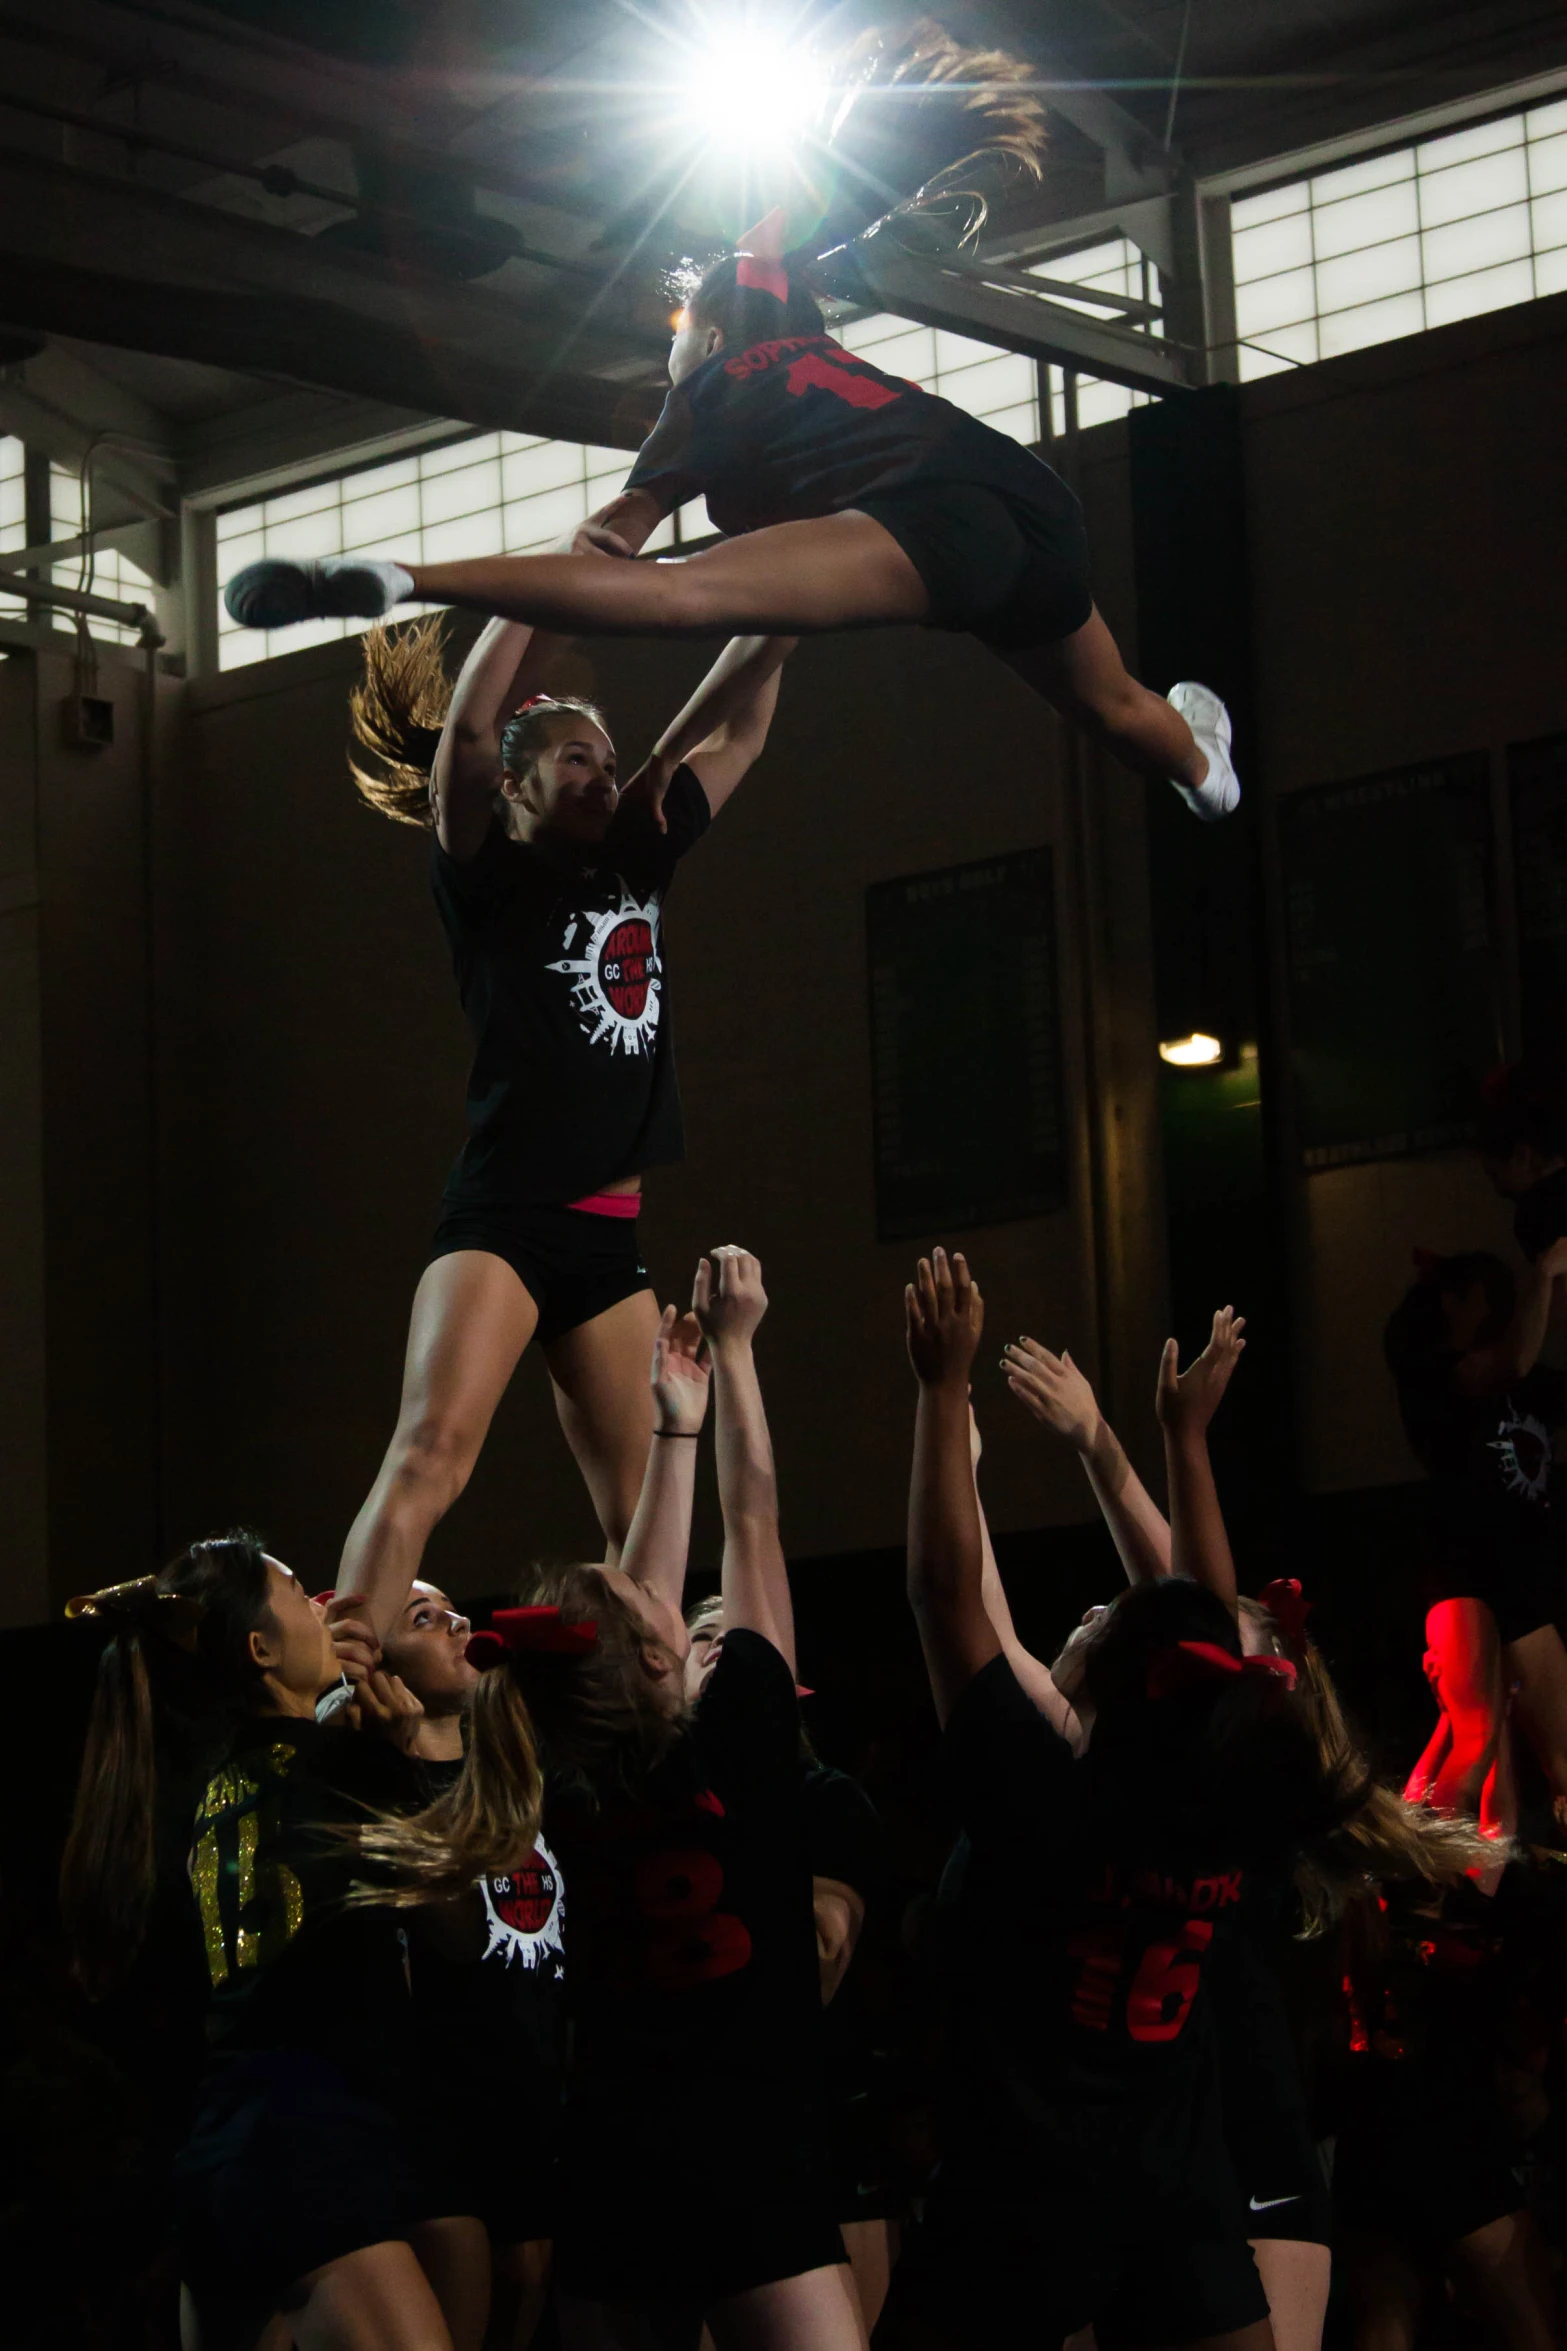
x=984 y=91
x=398 y=711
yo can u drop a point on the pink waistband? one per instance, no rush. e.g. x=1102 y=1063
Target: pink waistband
x=608 y=1204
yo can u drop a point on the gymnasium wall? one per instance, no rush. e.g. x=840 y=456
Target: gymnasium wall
x=1408 y=602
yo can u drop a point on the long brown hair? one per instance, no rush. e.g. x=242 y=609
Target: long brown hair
x=174 y=1682
x=594 y=1721
x=398 y=710
x=1379 y=1837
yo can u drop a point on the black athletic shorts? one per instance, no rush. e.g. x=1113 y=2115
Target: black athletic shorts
x=1428 y=2187
x=988 y=2266
x=677 y=2266
x=1267 y=2128
x=997 y=538
x=1522 y=1584
x=574 y=1265
x=287 y=2166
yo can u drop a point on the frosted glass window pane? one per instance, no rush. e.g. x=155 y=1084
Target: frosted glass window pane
x=239 y=648
x=1550 y=221
x=1365 y=220
x=1373 y=322
x=375 y=478
x=1098 y=403
x=862 y=334
x=1541 y=121
x=911 y=353
x=663 y=537
x=238 y=522
x=1265 y=363
x=1357 y=179
x=531 y=520
x=693 y=521
x=1473 y=187
x=1000 y=382
x=437 y=461
x=1248 y=211
x=1477 y=244
x=312 y=534
x=1476 y=138
x=1488 y=289
x=374 y=518
x=13 y=501
x=599 y=462
x=404 y=547
x=1548 y=165
x=955 y=351
x=1368 y=276
x=1280 y=301
x=1019 y=424
x=468 y=535
x=512 y=442
x=467 y=490
x=248 y=547
x=293 y=503
x=1550 y=272
x=1277 y=245
x=314 y=632
x=543 y=467
x=1077 y=268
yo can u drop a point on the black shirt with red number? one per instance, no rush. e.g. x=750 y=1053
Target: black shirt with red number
x=795 y=428
x=559 y=955
x=1080 y=1981
x=691 y=1968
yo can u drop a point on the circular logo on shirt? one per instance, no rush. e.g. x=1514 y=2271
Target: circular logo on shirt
x=626 y=963
x=613 y=962
x=1522 y=1446
x=526 y=1911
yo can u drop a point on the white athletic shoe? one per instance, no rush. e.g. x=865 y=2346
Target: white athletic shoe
x=1209 y=721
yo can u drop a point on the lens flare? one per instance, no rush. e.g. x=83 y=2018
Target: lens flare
x=1193 y=1052
x=754 y=93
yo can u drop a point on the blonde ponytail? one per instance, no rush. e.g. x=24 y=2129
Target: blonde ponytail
x=397 y=712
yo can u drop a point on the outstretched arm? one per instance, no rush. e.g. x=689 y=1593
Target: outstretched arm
x=1186 y=1403
x=1033 y=1676
x=1484 y=1370
x=1056 y=1392
x=509 y=661
x=944 y=1315
x=721 y=730
x=729 y=1301
x=659 y=1538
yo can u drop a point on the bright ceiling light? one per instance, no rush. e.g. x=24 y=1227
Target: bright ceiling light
x=1193 y=1052
x=752 y=91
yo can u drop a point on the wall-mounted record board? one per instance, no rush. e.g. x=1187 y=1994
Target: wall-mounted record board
x=1393 y=1001
x=969 y=1108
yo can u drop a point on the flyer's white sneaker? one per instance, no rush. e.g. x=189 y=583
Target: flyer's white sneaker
x=1209 y=721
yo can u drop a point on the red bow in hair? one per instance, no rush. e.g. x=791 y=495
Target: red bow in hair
x=537 y=1632
x=1193 y=1666
x=532 y=703
x=1288 y=1608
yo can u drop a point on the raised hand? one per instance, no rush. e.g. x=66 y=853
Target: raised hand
x=384 y=1704
x=591 y=538
x=1053 y=1389
x=943 y=1317
x=1187 y=1400
x=727 y=1297
x=353 y=1636
x=681 y=1379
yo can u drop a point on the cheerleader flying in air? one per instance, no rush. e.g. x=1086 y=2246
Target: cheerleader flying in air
x=849 y=499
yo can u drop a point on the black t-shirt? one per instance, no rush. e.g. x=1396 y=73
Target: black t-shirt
x=1490 y=1458
x=292 y=1965
x=844 y=1836
x=797 y=428
x=1081 y=1995
x=559 y=957
x=510 y=1999
x=691 y=1971
x=1541 y=1215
